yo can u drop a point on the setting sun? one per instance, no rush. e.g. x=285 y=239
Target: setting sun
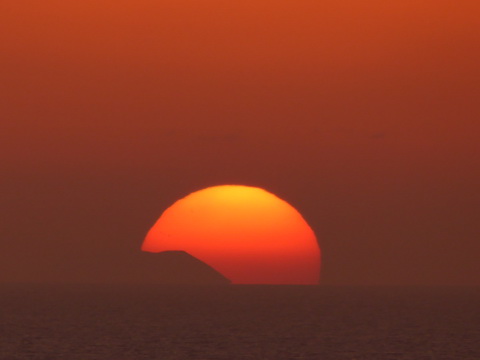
x=246 y=233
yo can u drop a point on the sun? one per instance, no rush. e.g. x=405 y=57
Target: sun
x=246 y=233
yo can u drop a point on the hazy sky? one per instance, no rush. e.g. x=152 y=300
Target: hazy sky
x=364 y=115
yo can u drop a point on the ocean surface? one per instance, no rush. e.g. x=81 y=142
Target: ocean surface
x=238 y=322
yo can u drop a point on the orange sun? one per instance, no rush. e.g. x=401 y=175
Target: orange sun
x=246 y=233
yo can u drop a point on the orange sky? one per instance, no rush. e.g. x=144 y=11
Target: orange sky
x=362 y=115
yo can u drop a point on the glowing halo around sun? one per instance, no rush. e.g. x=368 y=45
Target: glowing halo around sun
x=246 y=233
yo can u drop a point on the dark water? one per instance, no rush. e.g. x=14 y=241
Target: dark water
x=238 y=322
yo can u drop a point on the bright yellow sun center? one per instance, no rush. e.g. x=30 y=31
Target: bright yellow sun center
x=246 y=233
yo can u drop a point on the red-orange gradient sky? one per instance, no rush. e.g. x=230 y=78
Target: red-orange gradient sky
x=364 y=115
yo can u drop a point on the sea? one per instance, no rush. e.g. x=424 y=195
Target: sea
x=128 y=322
